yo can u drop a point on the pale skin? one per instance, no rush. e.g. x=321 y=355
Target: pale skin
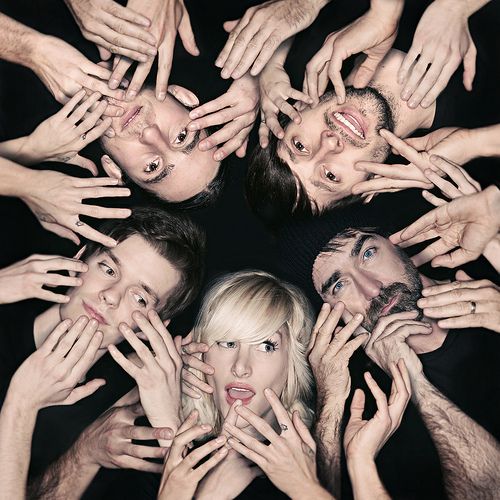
x=46 y=378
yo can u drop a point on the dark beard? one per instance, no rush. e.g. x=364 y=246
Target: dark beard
x=408 y=293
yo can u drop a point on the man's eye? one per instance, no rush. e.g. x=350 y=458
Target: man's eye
x=152 y=166
x=106 y=269
x=337 y=287
x=181 y=137
x=330 y=175
x=229 y=344
x=299 y=146
x=140 y=300
x=369 y=253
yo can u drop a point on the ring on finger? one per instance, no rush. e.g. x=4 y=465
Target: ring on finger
x=472 y=307
x=284 y=427
x=84 y=136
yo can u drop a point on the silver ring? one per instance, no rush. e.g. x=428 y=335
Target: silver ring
x=183 y=350
x=472 y=307
x=263 y=120
x=84 y=136
x=283 y=427
x=79 y=223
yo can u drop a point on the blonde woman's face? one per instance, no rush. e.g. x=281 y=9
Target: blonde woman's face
x=244 y=370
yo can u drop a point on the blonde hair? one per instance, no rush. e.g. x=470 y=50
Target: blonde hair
x=252 y=306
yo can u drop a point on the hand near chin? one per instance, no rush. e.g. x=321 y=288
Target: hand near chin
x=182 y=471
x=289 y=460
x=51 y=374
x=464 y=303
x=158 y=378
x=25 y=279
x=236 y=110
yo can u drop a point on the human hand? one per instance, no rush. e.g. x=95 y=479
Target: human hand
x=192 y=382
x=56 y=201
x=392 y=178
x=159 y=377
x=275 y=90
x=254 y=38
x=61 y=136
x=464 y=183
x=50 y=375
x=441 y=41
x=329 y=352
x=453 y=143
x=65 y=71
x=464 y=303
x=469 y=223
x=107 y=442
x=180 y=477
x=387 y=342
x=289 y=461
x=364 y=438
x=168 y=17
x=113 y=28
x=373 y=33
x=237 y=109
x=25 y=279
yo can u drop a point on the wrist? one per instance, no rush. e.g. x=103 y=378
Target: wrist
x=391 y=10
x=22 y=407
x=309 y=489
x=492 y=196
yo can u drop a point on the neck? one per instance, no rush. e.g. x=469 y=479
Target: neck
x=45 y=323
x=406 y=119
x=432 y=341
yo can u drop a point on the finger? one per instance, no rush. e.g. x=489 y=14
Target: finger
x=216 y=459
x=94 y=84
x=456 y=258
x=467 y=321
x=264 y=135
x=469 y=66
x=437 y=248
x=104 y=212
x=168 y=341
x=128 y=14
x=69 y=107
x=59 y=280
x=299 y=96
x=191 y=347
x=404 y=149
x=238 y=48
x=182 y=440
x=249 y=454
x=447 y=188
x=234 y=28
x=68 y=340
x=354 y=344
x=127 y=365
x=49 y=296
x=197 y=364
x=145 y=355
x=186 y=34
x=242 y=150
x=456 y=173
x=82 y=340
x=427 y=83
x=303 y=431
x=440 y=85
x=217 y=118
x=365 y=72
x=357 y=405
x=119 y=71
x=325 y=331
x=141 y=465
x=165 y=56
x=195 y=456
x=335 y=76
x=250 y=442
x=279 y=410
x=431 y=291
x=273 y=124
x=452 y=310
x=83 y=391
x=87 y=357
x=233 y=144
x=288 y=110
x=398 y=172
x=266 y=52
x=378 y=394
x=248 y=57
x=189 y=422
x=53 y=339
x=432 y=199
x=79 y=112
x=408 y=63
x=139 y=433
x=141 y=72
x=196 y=382
x=210 y=107
x=61 y=231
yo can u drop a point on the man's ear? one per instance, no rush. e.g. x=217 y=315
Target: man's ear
x=111 y=168
x=77 y=256
x=183 y=95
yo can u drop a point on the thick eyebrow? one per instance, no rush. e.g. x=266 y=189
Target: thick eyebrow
x=147 y=288
x=329 y=282
x=359 y=244
x=189 y=148
x=293 y=158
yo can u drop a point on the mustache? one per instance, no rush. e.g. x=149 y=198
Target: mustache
x=345 y=136
x=385 y=296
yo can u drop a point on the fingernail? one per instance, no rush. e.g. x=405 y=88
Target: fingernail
x=205 y=145
x=193 y=126
x=218 y=62
x=151 y=52
x=79 y=282
x=237 y=403
x=219 y=156
x=224 y=73
x=221 y=440
x=113 y=84
x=143 y=58
x=358 y=316
x=131 y=95
x=161 y=96
x=412 y=103
x=120 y=112
x=405 y=94
x=206 y=427
x=106 y=159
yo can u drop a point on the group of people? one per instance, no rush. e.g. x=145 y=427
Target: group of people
x=347 y=367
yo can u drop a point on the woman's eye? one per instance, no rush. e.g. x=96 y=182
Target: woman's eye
x=299 y=146
x=229 y=344
x=181 y=137
x=369 y=253
x=330 y=176
x=337 y=287
x=152 y=166
x=268 y=346
x=106 y=269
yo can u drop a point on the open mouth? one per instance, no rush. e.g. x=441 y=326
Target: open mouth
x=93 y=314
x=350 y=123
x=130 y=116
x=243 y=392
x=385 y=311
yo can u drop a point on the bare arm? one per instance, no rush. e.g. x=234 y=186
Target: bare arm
x=17 y=41
x=469 y=455
x=365 y=480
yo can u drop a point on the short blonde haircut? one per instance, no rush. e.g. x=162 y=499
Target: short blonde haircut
x=251 y=306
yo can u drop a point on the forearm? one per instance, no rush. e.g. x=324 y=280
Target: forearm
x=484 y=141
x=475 y=5
x=19 y=150
x=67 y=478
x=14 y=179
x=17 y=41
x=16 y=429
x=327 y=434
x=388 y=9
x=492 y=253
x=468 y=454
x=365 y=481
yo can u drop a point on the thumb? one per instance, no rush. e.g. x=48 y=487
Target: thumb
x=469 y=66
x=462 y=276
x=230 y=25
x=85 y=163
x=104 y=54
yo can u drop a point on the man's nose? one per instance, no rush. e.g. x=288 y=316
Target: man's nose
x=111 y=296
x=331 y=142
x=152 y=136
x=241 y=365
x=368 y=285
